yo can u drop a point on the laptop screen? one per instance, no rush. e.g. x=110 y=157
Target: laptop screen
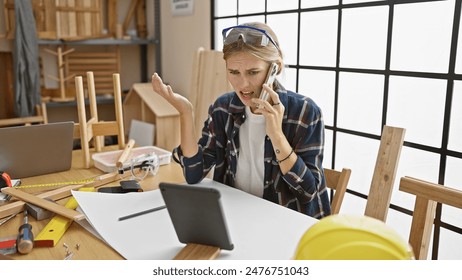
x=27 y=151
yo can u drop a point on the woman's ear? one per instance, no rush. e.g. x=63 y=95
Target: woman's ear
x=280 y=64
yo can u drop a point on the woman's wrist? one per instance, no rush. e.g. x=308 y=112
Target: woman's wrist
x=285 y=158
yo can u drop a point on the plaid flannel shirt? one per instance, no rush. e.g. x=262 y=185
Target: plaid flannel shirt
x=303 y=188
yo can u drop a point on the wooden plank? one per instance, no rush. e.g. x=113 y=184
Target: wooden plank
x=6 y=85
x=168 y=132
x=198 y=252
x=102 y=64
x=421 y=227
x=84 y=131
x=105 y=128
x=91 y=61
x=50 y=19
x=45 y=204
x=62 y=192
x=338 y=181
x=427 y=196
x=119 y=110
x=9 y=19
x=72 y=19
x=112 y=15
x=80 y=55
x=87 y=19
x=435 y=192
x=129 y=16
x=38 y=9
x=208 y=82
x=383 y=178
x=141 y=28
x=21 y=121
x=64 y=23
x=154 y=101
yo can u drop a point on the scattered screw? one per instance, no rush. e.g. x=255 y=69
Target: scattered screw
x=77 y=246
x=69 y=255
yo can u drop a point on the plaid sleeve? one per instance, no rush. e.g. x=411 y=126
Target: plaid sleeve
x=305 y=178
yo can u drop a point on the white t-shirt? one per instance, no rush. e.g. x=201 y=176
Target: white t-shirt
x=250 y=163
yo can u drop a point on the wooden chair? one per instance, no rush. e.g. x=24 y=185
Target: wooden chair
x=337 y=181
x=383 y=179
x=90 y=129
x=40 y=118
x=427 y=196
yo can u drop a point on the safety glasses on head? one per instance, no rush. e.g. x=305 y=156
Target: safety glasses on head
x=250 y=35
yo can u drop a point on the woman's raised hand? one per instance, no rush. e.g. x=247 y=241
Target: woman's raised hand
x=178 y=101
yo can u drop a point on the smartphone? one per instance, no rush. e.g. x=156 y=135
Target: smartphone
x=270 y=76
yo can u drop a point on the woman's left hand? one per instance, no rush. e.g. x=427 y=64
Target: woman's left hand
x=273 y=112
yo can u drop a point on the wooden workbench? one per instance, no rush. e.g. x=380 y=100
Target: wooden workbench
x=90 y=247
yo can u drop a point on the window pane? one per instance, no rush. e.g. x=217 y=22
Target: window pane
x=455 y=130
x=352 y=204
x=219 y=26
x=358 y=1
x=318 y=3
x=418 y=164
x=318 y=35
x=250 y=7
x=422 y=36
x=225 y=8
x=320 y=86
x=278 y=5
x=454 y=180
x=364 y=37
x=285 y=26
x=400 y=223
x=359 y=154
x=458 y=68
x=288 y=78
x=417 y=105
x=246 y=19
x=449 y=248
x=360 y=102
x=328 y=144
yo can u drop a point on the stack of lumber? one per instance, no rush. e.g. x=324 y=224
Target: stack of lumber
x=102 y=64
x=61 y=19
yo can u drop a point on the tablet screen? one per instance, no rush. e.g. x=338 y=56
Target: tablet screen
x=196 y=214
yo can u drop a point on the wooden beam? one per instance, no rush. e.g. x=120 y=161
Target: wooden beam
x=383 y=178
x=45 y=204
x=198 y=252
x=63 y=192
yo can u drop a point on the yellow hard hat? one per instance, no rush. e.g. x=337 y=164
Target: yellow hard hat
x=348 y=237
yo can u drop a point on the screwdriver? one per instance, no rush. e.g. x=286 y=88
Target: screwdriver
x=25 y=241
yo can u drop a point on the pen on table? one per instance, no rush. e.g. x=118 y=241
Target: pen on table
x=142 y=213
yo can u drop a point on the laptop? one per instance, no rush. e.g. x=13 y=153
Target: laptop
x=196 y=214
x=27 y=151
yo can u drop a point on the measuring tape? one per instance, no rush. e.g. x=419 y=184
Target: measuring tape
x=5 y=180
x=57 y=184
x=50 y=235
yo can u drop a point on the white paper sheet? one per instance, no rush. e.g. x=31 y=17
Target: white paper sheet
x=136 y=238
x=258 y=228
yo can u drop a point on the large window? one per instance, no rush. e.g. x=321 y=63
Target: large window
x=369 y=64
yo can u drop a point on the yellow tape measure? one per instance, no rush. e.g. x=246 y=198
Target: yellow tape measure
x=57 y=184
x=50 y=235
